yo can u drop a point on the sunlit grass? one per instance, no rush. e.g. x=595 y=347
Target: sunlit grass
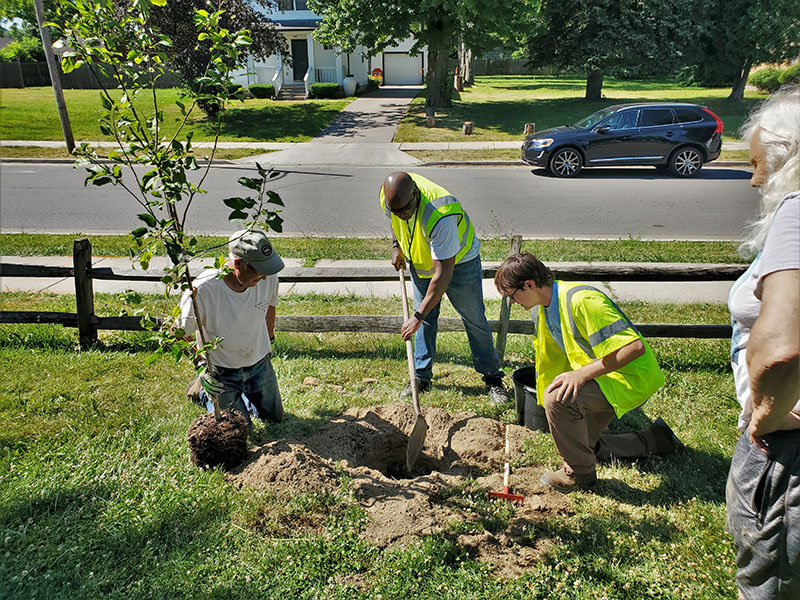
x=501 y=105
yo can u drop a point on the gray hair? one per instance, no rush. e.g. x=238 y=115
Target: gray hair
x=778 y=118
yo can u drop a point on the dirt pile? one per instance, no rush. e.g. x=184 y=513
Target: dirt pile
x=213 y=443
x=369 y=445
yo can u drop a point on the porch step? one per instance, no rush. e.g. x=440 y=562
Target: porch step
x=292 y=91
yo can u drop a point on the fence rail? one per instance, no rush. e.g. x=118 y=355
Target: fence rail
x=89 y=324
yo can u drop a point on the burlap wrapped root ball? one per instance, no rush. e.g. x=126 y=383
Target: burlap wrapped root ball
x=215 y=443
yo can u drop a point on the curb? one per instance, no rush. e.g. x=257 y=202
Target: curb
x=519 y=163
x=71 y=161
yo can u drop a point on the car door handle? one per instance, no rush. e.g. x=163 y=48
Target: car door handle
x=669 y=134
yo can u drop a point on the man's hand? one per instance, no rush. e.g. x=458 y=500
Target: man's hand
x=211 y=386
x=567 y=384
x=398 y=260
x=409 y=328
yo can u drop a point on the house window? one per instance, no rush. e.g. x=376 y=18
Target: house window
x=286 y=5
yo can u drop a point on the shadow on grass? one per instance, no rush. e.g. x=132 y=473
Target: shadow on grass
x=277 y=123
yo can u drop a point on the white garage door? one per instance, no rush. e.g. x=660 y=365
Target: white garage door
x=402 y=69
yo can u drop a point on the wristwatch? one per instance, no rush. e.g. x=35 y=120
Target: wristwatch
x=418 y=315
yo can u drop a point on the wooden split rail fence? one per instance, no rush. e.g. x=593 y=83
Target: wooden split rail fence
x=88 y=323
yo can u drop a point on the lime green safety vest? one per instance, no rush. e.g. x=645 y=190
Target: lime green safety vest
x=434 y=204
x=591 y=327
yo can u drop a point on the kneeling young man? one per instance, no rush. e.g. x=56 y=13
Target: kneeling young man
x=591 y=365
x=239 y=307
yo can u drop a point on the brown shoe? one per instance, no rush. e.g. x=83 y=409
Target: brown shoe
x=563 y=482
x=664 y=440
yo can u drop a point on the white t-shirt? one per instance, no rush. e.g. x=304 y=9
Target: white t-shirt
x=237 y=317
x=781 y=252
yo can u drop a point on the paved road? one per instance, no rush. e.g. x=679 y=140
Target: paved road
x=637 y=202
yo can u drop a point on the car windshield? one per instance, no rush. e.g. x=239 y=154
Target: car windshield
x=593 y=118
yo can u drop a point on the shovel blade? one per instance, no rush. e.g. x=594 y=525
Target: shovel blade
x=415 y=442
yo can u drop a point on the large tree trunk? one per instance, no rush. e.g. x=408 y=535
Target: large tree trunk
x=594 y=84
x=439 y=85
x=739 y=81
x=469 y=78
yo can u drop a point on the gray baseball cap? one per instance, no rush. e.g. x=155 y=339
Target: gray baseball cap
x=254 y=248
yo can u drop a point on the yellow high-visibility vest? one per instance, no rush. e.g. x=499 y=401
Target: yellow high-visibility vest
x=435 y=203
x=592 y=326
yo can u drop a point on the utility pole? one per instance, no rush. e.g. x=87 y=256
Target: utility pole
x=55 y=78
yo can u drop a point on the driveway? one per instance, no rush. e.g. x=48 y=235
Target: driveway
x=361 y=135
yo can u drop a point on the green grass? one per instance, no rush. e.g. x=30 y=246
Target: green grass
x=34 y=152
x=99 y=500
x=30 y=114
x=313 y=249
x=501 y=105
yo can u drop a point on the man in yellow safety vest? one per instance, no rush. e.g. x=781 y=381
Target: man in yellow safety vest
x=592 y=364
x=432 y=231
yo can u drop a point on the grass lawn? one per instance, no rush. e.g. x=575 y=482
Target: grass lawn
x=313 y=249
x=34 y=152
x=501 y=105
x=514 y=155
x=99 y=500
x=30 y=114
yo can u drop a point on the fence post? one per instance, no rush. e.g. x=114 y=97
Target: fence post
x=505 y=306
x=84 y=293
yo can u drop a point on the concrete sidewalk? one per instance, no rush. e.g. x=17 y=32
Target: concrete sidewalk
x=620 y=291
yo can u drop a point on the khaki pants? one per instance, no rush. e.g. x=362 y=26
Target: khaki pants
x=577 y=427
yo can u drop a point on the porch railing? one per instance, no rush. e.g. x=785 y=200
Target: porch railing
x=325 y=75
x=277 y=79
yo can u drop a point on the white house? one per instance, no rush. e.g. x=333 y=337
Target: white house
x=314 y=63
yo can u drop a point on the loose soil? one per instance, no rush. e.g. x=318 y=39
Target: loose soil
x=218 y=443
x=368 y=445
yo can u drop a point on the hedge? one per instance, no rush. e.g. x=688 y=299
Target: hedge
x=771 y=79
x=262 y=90
x=790 y=75
x=324 y=90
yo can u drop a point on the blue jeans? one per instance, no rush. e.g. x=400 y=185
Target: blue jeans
x=465 y=292
x=258 y=383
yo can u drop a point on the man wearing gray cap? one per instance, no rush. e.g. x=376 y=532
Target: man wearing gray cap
x=239 y=307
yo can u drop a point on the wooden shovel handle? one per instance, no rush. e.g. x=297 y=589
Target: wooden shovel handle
x=412 y=371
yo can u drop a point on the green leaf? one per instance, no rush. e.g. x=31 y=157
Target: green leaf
x=102 y=180
x=149 y=219
x=254 y=183
x=237 y=215
x=139 y=232
x=234 y=203
x=274 y=198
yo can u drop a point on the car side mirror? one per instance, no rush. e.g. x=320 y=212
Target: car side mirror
x=603 y=129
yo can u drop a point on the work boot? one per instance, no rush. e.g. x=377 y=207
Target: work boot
x=565 y=483
x=422 y=387
x=193 y=392
x=661 y=439
x=498 y=393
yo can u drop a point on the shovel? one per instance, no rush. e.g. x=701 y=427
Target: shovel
x=417 y=437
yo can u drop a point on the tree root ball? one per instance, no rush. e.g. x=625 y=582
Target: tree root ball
x=215 y=443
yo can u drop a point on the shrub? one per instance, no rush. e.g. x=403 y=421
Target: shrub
x=28 y=49
x=262 y=90
x=211 y=106
x=324 y=90
x=766 y=80
x=790 y=75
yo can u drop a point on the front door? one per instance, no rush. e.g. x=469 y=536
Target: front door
x=299 y=59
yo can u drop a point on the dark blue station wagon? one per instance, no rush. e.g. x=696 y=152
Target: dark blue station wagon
x=675 y=136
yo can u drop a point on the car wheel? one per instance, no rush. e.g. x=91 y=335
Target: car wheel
x=686 y=162
x=566 y=162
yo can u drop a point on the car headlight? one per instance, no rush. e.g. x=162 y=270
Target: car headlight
x=539 y=143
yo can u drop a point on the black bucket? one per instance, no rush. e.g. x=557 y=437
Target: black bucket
x=529 y=413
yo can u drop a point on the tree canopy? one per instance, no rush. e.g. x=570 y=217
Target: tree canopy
x=595 y=36
x=438 y=25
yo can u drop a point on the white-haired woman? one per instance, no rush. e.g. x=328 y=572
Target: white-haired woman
x=763 y=491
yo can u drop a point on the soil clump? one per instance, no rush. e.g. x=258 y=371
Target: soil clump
x=463 y=455
x=463 y=451
x=218 y=443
